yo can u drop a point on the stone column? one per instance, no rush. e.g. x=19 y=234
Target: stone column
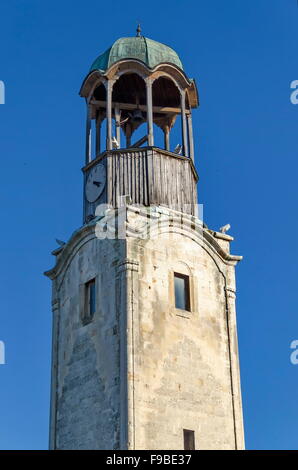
x=167 y=138
x=54 y=374
x=128 y=132
x=98 y=129
x=190 y=136
x=127 y=276
x=88 y=135
x=149 y=112
x=109 y=89
x=234 y=362
x=118 y=128
x=183 y=124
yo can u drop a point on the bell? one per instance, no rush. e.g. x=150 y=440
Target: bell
x=137 y=115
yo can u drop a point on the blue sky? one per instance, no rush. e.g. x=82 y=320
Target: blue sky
x=243 y=56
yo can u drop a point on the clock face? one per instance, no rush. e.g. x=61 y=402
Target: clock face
x=95 y=182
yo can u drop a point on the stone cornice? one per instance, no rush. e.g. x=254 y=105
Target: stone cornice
x=166 y=221
x=63 y=254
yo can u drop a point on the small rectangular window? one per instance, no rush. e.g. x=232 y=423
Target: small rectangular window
x=91 y=297
x=189 y=439
x=182 y=294
x=90 y=301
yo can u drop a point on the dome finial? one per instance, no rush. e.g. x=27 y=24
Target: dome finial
x=138 y=31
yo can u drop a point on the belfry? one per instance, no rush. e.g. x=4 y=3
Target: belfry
x=144 y=351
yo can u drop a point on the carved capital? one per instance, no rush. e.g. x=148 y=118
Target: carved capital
x=128 y=265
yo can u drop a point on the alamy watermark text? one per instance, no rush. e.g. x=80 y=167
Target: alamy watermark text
x=2 y=92
x=2 y=353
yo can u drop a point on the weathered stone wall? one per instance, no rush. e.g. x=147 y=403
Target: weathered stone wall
x=182 y=370
x=87 y=398
x=142 y=370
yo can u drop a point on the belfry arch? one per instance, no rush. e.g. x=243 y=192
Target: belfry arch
x=128 y=95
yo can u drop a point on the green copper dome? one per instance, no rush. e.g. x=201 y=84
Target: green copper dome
x=146 y=50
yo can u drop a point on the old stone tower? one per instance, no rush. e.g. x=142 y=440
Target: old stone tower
x=144 y=322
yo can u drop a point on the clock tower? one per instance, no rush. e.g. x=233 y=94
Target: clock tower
x=144 y=352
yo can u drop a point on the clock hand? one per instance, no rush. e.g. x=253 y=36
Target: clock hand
x=97 y=183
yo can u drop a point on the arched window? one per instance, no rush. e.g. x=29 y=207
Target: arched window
x=166 y=107
x=129 y=109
